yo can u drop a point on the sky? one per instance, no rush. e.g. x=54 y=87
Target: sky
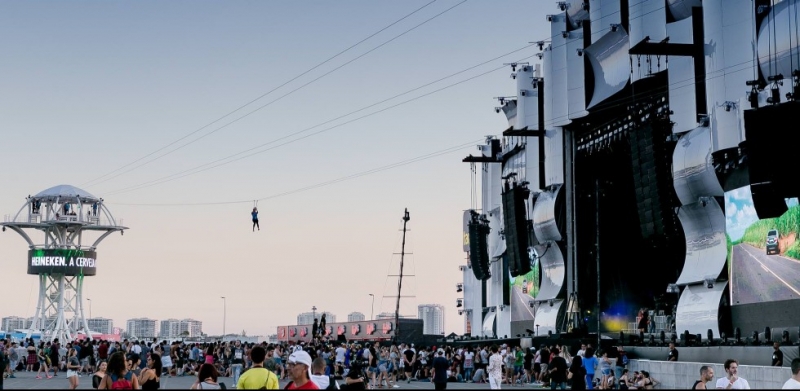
x=89 y=87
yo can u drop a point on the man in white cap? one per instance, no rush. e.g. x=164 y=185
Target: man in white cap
x=440 y=368
x=299 y=368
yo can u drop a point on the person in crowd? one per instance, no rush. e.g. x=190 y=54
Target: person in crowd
x=323 y=323
x=41 y=355
x=577 y=374
x=31 y=358
x=469 y=364
x=590 y=363
x=777 y=355
x=527 y=365
x=673 y=353
x=794 y=382
x=98 y=376
x=558 y=371
x=440 y=367
x=151 y=375
x=118 y=377
x=318 y=374
x=73 y=365
x=644 y=382
x=409 y=360
x=207 y=377
x=3 y=363
x=495 y=369
x=237 y=361
x=258 y=376
x=706 y=375
x=354 y=380
x=625 y=380
x=732 y=381
x=299 y=366
x=605 y=365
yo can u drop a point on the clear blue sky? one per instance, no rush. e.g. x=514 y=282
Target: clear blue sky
x=90 y=86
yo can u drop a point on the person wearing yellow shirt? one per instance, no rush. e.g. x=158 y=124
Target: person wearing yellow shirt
x=258 y=377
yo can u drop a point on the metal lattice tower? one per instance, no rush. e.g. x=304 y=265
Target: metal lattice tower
x=66 y=216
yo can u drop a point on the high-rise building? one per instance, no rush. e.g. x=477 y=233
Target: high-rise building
x=101 y=325
x=355 y=317
x=432 y=316
x=11 y=323
x=194 y=327
x=308 y=317
x=183 y=328
x=141 y=328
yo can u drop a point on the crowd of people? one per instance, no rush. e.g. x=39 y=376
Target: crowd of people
x=328 y=364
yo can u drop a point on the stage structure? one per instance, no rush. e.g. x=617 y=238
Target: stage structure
x=66 y=216
x=647 y=165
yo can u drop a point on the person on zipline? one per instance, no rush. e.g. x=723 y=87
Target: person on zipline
x=255 y=219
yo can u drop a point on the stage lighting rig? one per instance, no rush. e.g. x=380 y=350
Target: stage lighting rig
x=459 y=287
x=563 y=5
x=580 y=52
x=708 y=280
x=728 y=105
x=614 y=27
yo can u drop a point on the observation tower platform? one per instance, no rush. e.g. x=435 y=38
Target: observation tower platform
x=62 y=226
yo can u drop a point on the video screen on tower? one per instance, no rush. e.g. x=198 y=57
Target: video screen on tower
x=763 y=254
x=523 y=289
x=69 y=262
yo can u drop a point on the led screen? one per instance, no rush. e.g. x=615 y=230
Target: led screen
x=524 y=289
x=763 y=254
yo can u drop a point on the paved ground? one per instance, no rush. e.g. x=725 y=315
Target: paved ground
x=28 y=381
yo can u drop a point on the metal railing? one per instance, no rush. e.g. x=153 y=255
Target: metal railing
x=37 y=218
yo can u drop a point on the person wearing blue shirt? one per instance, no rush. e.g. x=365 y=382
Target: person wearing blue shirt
x=590 y=364
x=255 y=219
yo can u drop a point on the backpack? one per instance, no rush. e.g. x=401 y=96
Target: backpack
x=624 y=359
x=122 y=382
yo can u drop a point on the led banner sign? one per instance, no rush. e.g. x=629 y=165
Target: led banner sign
x=69 y=262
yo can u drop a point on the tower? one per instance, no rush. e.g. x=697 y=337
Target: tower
x=67 y=217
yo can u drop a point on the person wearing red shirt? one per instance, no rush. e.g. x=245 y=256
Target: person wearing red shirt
x=299 y=367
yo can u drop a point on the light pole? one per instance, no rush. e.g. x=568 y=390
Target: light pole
x=372 y=311
x=90 y=307
x=224 y=315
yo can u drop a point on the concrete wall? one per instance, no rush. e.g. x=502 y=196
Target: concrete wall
x=681 y=375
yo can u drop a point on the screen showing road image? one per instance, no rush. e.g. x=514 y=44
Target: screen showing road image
x=69 y=262
x=523 y=289
x=763 y=254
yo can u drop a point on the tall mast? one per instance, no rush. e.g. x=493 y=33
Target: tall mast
x=406 y=217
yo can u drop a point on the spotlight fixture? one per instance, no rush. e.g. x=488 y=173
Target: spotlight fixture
x=580 y=52
x=563 y=5
x=551 y=302
x=774 y=96
x=522 y=92
x=459 y=287
x=513 y=66
x=514 y=75
x=565 y=34
x=497 y=109
x=673 y=288
x=549 y=18
x=728 y=105
x=459 y=303
x=709 y=281
x=614 y=27
x=460 y=312
x=541 y=45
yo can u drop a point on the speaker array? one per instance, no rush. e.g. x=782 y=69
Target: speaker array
x=478 y=246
